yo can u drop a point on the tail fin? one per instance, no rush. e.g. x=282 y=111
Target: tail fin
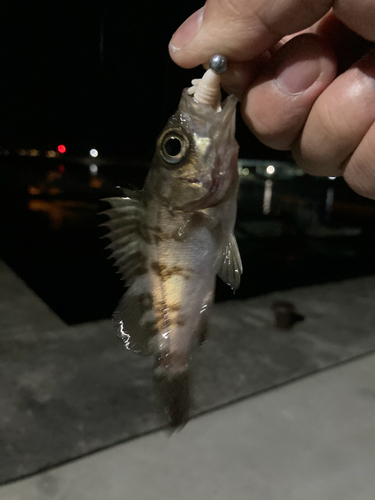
x=173 y=389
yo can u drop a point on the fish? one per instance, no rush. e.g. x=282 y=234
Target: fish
x=172 y=238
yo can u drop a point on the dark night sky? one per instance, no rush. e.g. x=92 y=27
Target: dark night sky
x=92 y=74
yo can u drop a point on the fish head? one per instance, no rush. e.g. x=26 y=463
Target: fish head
x=195 y=162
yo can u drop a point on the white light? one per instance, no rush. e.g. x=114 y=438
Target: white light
x=332 y=178
x=94 y=153
x=93 y=169
x=245 y=171
x=270 y=169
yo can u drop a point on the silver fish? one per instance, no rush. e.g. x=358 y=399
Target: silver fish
x=172 y=238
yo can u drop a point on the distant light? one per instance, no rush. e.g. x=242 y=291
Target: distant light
x=94 y=153
x=96 y=182
x=53 y=190
x=61 y=168
x=245 y=171
x=34 y=152
x=33 y=190
x=93 y=169
x=267 y=197
x=51 y=154
x=61 y=148
x=332 y=178
x=270 y=169
x=22 y=152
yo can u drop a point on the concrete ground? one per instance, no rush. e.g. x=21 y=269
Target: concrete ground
x=68 y=391
x=313 y=439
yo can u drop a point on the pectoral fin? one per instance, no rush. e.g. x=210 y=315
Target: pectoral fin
x=231 y=265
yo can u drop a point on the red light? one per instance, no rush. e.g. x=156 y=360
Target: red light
x=61 y=148
x=61 y=168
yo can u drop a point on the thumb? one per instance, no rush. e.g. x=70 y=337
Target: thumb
x=241 y=29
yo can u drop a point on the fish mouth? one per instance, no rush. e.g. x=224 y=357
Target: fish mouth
x=219 y=126
x=217 y=187
x=215 y=193
x=202 y=115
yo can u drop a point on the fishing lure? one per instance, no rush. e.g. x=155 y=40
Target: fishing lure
x=172 y=238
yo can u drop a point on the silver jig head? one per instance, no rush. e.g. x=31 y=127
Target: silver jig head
x=218 y=64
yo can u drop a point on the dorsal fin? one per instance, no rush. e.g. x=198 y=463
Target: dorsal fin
x=135 y=317
x=126 y=244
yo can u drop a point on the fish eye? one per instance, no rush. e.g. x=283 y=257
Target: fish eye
x=174 y=146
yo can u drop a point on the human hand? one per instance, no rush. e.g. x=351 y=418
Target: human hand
x=305 y=73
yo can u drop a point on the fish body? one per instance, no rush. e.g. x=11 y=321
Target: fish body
x=171 y=239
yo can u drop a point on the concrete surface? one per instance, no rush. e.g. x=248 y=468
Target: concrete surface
x=69 y=392
x=21 y=310
x=313 y=439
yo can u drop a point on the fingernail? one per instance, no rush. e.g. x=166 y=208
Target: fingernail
x=296 y=77
x=186 y=31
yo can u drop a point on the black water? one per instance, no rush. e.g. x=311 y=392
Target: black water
x=291 y=232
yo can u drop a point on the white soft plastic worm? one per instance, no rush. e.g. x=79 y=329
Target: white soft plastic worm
x=206 y=90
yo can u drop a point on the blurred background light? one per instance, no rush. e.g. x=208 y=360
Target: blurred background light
x=93 y=169
x=270 y=170
x=267 y=196
x=94 y=153
x=61 y=148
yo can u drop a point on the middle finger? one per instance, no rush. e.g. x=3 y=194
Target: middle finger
x=338 y=120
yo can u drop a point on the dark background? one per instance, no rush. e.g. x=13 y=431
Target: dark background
x=86 y=73
x=97 y=74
